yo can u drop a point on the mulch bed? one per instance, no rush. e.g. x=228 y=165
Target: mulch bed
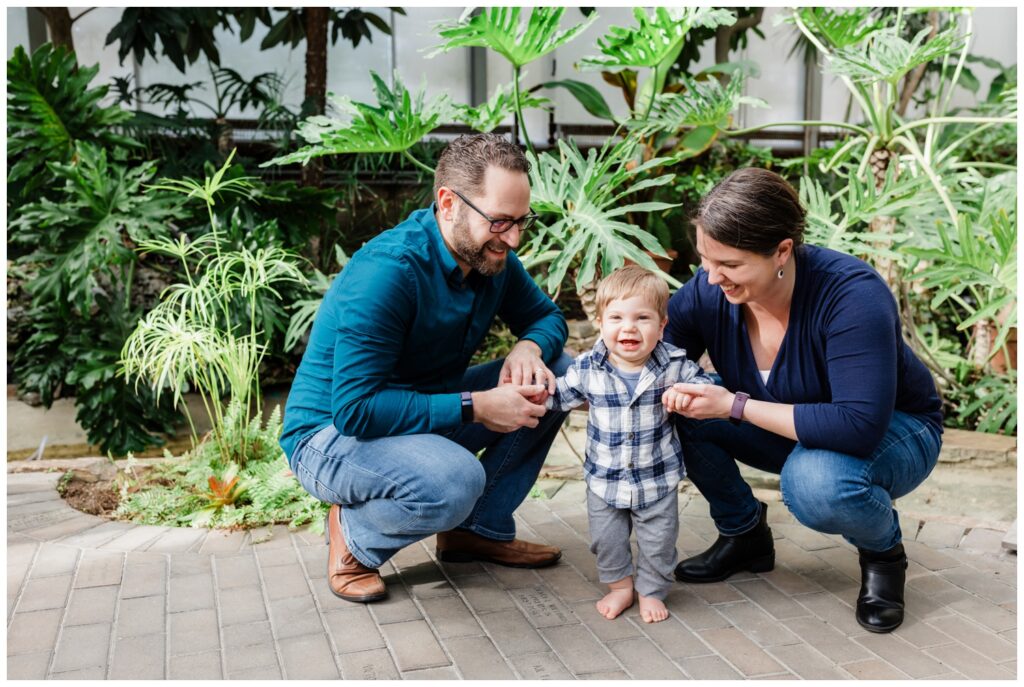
x=94 y=498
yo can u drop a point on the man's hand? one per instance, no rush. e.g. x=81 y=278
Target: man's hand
x=506 y=408
x=523 y=365
x=698 y=401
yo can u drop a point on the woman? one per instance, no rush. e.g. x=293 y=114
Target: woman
x=817 y=386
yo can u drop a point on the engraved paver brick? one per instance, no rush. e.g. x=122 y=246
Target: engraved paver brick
x=32 y=632
x=512 y=632
x=450 y=617
x=28 y=666
x=204 y=666
x=294 y=616
x=55 y=560
x=44 y=593
x=806 y=662
x=981 y=639
x=82 y=646
x=247 y=634
x=145 y=579
x=938 y=535
x=191 y=592
x=874 y=669
x=902 y=655
x=969 y=663
x=375 y=664
x=138 y=658
x=241 y=605
x=483 y=595
x=99 y=569
x=193 y=631
x=578 y=649
x=141 y=616
x=709 y=668
x=541 y=666
x=541 y=607
x=827 y=639
x=741 y=651
x=569 y=584
x=644 y=661
x=414 y=645
x=757 y=624
x=353 y=630
x=91 y=606
x=477 y=659
x=236 y=571
x=308 y=658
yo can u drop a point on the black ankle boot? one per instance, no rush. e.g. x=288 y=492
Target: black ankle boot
x=880 y=602
x=754 y=550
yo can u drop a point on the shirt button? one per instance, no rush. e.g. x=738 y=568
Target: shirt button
x=629 y=436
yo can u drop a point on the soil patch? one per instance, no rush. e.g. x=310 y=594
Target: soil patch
x=94 y=498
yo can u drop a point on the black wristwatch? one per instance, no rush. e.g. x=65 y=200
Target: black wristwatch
x=467 y=407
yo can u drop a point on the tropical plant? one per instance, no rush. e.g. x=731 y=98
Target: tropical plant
x=81 y=294
x=501 y=30
x=50 y=106
x=208 y=333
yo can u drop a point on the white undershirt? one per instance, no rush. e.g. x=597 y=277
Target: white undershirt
x=764 y=375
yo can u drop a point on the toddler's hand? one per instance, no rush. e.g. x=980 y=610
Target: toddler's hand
x=676 y=401
x=540 y=398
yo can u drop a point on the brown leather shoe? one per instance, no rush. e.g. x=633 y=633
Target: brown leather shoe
x=347 y=577
x=462 y=546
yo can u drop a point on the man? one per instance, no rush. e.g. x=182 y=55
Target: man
x=384 y=419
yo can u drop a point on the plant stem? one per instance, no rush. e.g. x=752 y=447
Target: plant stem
x=519 y=110
x=804 y=122
x=408 y=156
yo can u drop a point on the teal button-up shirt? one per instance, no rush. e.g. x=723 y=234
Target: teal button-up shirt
x=396 y=331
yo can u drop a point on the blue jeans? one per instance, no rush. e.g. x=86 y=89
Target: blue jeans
x=399 y=490
x=827 y=491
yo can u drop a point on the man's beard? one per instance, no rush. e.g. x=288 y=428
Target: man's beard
x=476 y=256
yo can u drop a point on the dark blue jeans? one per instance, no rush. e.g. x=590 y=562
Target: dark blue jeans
x=827 y=491
x=399 y=490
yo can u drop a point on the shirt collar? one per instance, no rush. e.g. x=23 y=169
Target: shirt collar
x=451 y=270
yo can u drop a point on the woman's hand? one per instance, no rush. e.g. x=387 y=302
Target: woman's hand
x=698 y=401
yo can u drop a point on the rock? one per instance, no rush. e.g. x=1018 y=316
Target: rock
x=981 y=450
x=85 y=469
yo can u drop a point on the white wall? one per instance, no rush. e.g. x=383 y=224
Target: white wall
x=780 y=82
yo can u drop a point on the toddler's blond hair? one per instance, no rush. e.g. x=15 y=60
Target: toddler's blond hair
x=633 y=280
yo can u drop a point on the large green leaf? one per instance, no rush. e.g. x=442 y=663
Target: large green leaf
x=583 y=196
x=837 y=28
x=655 y=40
x=50 y=106
x=886 y=56
x=501 y=30
x=588 y=96
x=399 y=121
x=699 y=103
x=489 y=115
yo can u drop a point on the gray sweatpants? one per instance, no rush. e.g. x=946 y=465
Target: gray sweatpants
x=657 y=527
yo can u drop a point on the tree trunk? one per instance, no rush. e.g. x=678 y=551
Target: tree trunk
x=317 y=19
x=883 y=226
x=724 y=34
x=58 y=21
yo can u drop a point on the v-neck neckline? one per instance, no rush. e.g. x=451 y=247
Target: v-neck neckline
x=745 y=331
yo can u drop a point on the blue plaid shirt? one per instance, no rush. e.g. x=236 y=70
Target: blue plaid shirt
x=633 y=456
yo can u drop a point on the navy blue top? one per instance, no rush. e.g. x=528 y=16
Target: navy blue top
x=395 y=333
x=843 y=363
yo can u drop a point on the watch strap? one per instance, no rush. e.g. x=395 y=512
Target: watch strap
x=466 y=399
x=739 y=401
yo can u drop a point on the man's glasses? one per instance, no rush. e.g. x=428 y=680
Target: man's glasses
x=500 y=226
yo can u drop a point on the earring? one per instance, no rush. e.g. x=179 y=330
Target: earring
x=781 y=272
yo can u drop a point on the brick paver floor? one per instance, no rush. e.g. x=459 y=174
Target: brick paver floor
x=88 y=598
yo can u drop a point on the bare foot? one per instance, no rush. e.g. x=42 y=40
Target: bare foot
x=652 y=610
x=618 y=598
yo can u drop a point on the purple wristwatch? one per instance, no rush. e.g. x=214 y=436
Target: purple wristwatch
x=736 y=413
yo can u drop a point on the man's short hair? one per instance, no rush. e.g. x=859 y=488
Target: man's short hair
x=633 y=280
x=464 y=162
